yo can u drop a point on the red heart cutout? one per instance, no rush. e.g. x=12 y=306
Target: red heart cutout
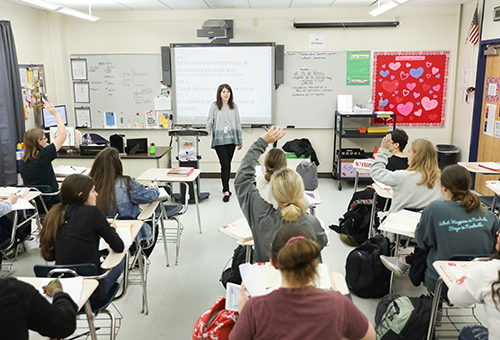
x=404 y=75
x=390 y=86
x=433 y=117
x=426 y=87
x=399 y=99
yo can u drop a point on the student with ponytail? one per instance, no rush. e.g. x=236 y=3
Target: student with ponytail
x=72 y=229
x=298 y=310
x=287 y=188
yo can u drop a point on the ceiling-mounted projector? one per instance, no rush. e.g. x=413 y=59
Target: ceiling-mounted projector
x=216 y=29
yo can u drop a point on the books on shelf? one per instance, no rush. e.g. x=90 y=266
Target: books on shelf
x=238 y=230
x=6 y=191
x=456 y=270
x=67 y=170
x=493 y=166
x=181 y=171
x=404 y=222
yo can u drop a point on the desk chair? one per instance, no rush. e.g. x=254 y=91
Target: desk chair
x=41 y=209
x=88 y=270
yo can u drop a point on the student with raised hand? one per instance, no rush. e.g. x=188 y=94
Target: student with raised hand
x=298 y=310
x=119 y=193
x=480 y=284
x=22 y=308
x=72 y=229
x=36 y=164
x=287 y=188
x=416 y=186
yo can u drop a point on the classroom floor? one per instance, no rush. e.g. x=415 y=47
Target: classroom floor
x=178 y=295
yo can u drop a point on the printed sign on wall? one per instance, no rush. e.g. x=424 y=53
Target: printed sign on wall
x=413 y=85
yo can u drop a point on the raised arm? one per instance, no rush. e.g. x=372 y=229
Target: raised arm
x=61 y=129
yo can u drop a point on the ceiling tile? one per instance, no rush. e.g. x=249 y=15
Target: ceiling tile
x=269 y=3
x=184 y=4
x=228 y=3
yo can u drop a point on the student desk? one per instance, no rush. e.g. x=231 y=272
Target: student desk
x=495 y=187
x=382 y=192
x=89 y=286
x=161 y=175
x=475 y=168
x=359 y=170
x=61 y=179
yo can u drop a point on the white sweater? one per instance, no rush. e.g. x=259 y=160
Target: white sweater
x=406 y=192
x=475 y=286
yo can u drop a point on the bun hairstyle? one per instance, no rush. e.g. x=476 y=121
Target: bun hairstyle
x=287 y=188
x=457 y=179
x=296 y=254
x=275 y=160
x=425 y=162
x=74 y=189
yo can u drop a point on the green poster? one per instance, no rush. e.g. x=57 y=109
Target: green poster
x=358 y=68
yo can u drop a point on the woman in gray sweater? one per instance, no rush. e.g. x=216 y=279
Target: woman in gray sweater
x=287 y=188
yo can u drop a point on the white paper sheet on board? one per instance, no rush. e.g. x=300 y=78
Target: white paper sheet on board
x=163 y=103
x=490 y=119
x=497 y=129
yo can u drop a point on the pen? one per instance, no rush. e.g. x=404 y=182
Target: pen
x=154 y=181
x=72 y=167
x=114 y=219
x=57 y=279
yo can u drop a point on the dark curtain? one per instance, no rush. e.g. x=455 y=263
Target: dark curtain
x=11 y=106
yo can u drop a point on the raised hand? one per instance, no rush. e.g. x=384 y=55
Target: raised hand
x=273 y=134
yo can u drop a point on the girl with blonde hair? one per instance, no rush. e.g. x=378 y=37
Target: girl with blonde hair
x=287 y=188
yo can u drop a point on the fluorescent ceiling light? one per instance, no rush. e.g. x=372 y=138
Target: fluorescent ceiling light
x=383 y=8
x=43 y=4
x=78 y=14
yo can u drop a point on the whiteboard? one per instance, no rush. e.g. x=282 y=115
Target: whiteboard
x=122 y=84
x=308 y=97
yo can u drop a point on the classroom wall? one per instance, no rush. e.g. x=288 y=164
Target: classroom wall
x=421 y=28
x=491 y=29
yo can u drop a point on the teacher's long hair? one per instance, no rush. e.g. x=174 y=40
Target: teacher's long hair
x=230 y=102
x=74 y=189
x=425 y=162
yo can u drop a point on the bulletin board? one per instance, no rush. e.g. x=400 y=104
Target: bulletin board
x=33 y=87
x=413 y=85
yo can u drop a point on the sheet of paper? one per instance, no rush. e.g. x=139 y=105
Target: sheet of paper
x=67 y=170
x=22 y=204
x=24 y=76
x=163 y=103
x=71 y=285
x=125 y=233
x=163 y=193
x=492 y=89
x=83 y=117
x=344 y=102
x=404 y=222
x=490 y=119
x=253 y=284
x=82 y=93
x=79 y=69
x=497 y=129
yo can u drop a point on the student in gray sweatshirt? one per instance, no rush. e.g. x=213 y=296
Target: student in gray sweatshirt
x=287 y=188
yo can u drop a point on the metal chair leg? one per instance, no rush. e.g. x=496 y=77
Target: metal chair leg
x=90 y=320
x=435 y=306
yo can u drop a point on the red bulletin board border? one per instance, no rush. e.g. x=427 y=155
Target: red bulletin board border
x=413 y=84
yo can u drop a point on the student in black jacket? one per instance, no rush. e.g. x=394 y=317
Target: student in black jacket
x=72 y=229
x=23 y=308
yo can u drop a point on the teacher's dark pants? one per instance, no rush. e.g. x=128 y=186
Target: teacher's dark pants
x=225 y=154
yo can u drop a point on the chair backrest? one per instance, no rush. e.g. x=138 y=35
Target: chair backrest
x=44 y=189
x=85 y=269
x=467 y=257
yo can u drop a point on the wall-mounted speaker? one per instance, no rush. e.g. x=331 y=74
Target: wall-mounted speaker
x=165 y=65
x=279 y=64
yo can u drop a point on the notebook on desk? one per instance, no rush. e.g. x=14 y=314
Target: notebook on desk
x=6 y=191
x=404 y=222
x=238 y=230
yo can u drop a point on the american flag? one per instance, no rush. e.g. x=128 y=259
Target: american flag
x=473 y=35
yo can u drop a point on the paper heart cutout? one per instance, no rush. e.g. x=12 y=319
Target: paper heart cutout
x=380 y=93
x=405 y=109
x=416 y=94
x=428 y=75
x=404 y=75
x=416 y=72
x=383 y=66
x=411 y=86
x=418 y=113
x=394 y=66
x=393 y=94
x=411 y=117
x=380 y=80
x=429 y=104
x=435 y=70
x=418 y=103
x=406 y=92
x=426 y=87
x=430 y=91
x=391 y=106
x=421 y=80
x=390 y=86
x=435 y=95
x=438 y=75
x=385 y=101
x=384 y=73
x=408 y=64
x=433 y=117
x=399 y=99
x=436 y=87
x=392 y=77
x=428 y=64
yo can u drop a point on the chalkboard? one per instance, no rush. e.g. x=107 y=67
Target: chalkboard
x=122 y=88
x=308 y=97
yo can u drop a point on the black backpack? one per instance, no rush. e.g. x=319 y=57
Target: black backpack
x=353 y=226
x=402 y=317
x=232 y=274
x=366 y=276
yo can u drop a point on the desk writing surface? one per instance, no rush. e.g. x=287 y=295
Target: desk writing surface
x=160 y=152
x=475 y=168
x=161 y=174
x=382 y=192
x=441 y=266
x=114 y=258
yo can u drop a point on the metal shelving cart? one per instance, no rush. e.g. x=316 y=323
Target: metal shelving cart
x=341 y=133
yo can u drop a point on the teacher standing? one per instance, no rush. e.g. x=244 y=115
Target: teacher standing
x=224 y=125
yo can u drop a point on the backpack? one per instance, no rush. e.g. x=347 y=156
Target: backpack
x=215 y=323
x=353 y=226
x=366 y=276
x=232 y=274
x=309 y=173
x=402 y=317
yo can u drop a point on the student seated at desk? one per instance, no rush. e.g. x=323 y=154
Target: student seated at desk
x=72 y=229
x=457 y=225
x=287 y=188
x=415 y=187
x=480 y=284
x=298 y=310
x=36 y=164
x=23 y=308
x=119 y=193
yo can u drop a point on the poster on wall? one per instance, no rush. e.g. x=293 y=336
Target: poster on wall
x=492 y=89
x=413 y=85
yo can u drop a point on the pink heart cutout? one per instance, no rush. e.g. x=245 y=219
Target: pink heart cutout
x=394 y=66
x=391 y=106
x=393 y=94
x=404 y=75
x=420 y=80
x=408 y=64
x=380 y=93
x=411 y=86
x=428 y=64
x=406 y=92
x=383 y=66
x=405 y=109
x=392 y=77
x=436 y=87
x=435 y=95
x=380 y=80
x=428 y=75
x=429 y=104
x=416 y=94
x=435 y=70
x=418 y=113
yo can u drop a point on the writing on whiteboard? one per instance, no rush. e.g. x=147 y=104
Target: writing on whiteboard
x=311 y=83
